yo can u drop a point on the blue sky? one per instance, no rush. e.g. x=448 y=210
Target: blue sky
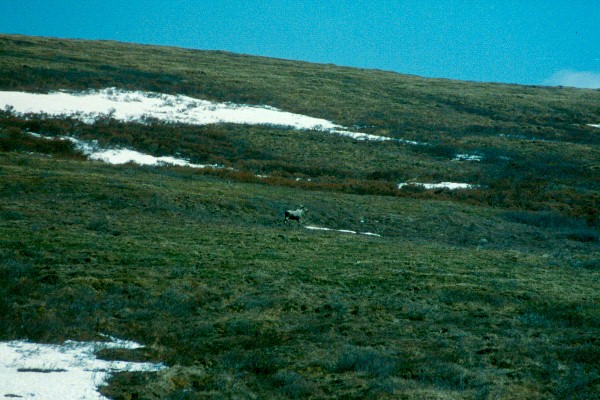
x=514 y=41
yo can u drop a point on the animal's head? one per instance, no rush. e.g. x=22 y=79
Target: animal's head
x=303 y=208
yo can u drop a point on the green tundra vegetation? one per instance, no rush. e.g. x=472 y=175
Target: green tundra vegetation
x=486 y=293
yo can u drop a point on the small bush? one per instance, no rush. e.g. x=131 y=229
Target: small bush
x=591 y=264
x=365 y=187
x=366 y=360
x=393 y=175
x=578 y=384
x=383 y=387
x=292 y=384
x=560 y=315
x=449 y=376
x=584 y=235
x=437 y=150
x=10 y=215
x=256 y=362
x=14 y=140
x=545 y=219
x=99 y=225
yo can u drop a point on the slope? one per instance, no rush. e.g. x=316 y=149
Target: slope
x=487 y=293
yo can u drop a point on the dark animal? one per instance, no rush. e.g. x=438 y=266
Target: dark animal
x=295 y=215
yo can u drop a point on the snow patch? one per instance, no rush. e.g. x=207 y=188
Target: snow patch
x=594 y=125
x=370 y=234
x=360 y=135
x=441 y=185
x=467 y=157
x=123 y=156
x=318 y=228
x=139 y=106
x=523 y=137
x=369 y=137
x=143 y=107
x=69 y=371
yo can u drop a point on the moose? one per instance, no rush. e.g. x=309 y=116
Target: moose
x=295 y=215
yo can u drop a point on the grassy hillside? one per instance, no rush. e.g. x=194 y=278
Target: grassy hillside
x=539 y=152
x=471 y=294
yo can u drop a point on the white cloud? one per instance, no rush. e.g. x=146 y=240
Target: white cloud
x=578 y=79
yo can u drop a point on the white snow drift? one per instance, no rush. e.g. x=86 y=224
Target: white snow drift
x=69 y=371
x=144 y=106
x=137 y=106
x=441 y=185
x=123 y=156
x=467 y=157
x=318 y=228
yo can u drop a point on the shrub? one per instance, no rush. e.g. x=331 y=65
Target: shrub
x=584 y=235
x=14 y=140
x=394 y=175
x=366 y=187
x=578 y=384
x=99 y=224
x=292 y=384
x=448 y=375
x=366 y=360
x=10 y=215
x=545 y=219
x=437 y=150
x=256 y=362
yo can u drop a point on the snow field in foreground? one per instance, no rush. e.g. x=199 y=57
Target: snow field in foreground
x=69 y=371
